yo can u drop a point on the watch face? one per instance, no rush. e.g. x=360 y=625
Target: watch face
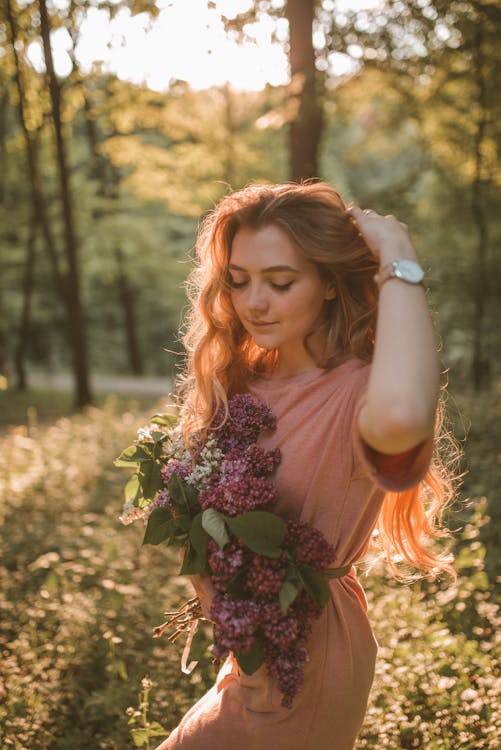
x=410 y=271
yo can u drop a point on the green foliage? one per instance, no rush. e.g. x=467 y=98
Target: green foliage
x=315 y=584
x=287 y=595
x=214 y=524
x=253 y=659
x=160 y=527
x=143 y=730
x=262 y=532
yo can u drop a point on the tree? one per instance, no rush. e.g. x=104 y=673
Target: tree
x=444 y=61
x=72 y=287
x=303 y=109
x=307 y=124
x=39 y=218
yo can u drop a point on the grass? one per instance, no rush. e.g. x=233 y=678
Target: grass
x=45 y=405
x=79 y=598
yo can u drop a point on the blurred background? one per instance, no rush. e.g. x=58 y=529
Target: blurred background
x=118 y=135
x=122 y=122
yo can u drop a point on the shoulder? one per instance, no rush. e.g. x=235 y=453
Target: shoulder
x=352 y=374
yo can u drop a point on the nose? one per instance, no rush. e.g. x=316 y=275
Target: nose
x=257 y=300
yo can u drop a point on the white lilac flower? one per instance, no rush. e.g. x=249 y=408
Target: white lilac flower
x=210 y=460
x=144 y=433
x=131 y=513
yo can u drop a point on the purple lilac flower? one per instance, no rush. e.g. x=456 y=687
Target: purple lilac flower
x=235 y=624
x=246 y=420
x=162 y=500
x=235 y=495
x=287 y=668
x=174 y=466
x=225 y=564
x=265 y=576
x=254 y=461
x=311 y=546
x=306 y=609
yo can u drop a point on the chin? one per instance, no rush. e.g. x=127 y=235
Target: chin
x=262 y=345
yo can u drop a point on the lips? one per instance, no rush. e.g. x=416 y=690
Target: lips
x=261 y=323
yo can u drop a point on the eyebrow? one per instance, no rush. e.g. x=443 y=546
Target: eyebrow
x=270 y=269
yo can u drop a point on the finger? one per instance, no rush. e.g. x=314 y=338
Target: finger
x=354 y=210
x=358 y=213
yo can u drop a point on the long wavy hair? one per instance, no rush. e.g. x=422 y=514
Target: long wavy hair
x=222 y=358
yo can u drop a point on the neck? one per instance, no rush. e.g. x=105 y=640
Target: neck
x=295 y=361
x=287 y=368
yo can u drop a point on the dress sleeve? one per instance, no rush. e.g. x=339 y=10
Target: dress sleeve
x=396 y=472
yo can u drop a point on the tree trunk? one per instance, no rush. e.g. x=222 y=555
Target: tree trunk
x=75 y=317
x=130 y=318
x=307 y=126
x=3 y=146
x=229 y=162
x=24 y=326
x=109 y=186
x=480 y=361
x=37 y=198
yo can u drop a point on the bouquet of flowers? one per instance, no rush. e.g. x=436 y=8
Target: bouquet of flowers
x=216 y=502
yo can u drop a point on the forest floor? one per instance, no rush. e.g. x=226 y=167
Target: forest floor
x=80 y=596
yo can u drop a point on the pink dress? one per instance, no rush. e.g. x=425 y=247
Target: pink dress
x=331 y=479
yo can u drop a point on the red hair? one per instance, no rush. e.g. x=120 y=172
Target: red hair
x=222 y=357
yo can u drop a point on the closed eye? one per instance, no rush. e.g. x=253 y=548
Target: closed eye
x=240 y=284
x=236 y=284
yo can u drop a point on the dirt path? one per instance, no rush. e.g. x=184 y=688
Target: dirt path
x=155 y=386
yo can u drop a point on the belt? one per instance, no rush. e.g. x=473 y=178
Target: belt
x=338 y=572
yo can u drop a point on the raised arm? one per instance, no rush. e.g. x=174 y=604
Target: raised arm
x=404 y=383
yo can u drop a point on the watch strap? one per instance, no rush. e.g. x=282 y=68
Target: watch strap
x=389 y=271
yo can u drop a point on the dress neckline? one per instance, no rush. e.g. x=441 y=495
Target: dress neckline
x=269 y=383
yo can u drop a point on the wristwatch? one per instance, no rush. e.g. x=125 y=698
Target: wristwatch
x=403 y=269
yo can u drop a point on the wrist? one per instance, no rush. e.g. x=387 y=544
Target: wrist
x=404 y=251
x=403 y=269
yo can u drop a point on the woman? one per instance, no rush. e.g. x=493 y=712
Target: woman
x=320 y=311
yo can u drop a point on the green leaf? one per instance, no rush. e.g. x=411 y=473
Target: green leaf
x=134 y=454
x=252 y=661
x=183 y=522
x=160 y=526
x=287 y=594
x=214 y=524
x=262 y=532
x=158 y=447
x=184 y=496
x=158 y=436
x=192 y=562
x=141 y=736
x=292 y=573
x=315 y=584
x=132 y=490
x=199 y=538
x=164 y=420
x=150 y=478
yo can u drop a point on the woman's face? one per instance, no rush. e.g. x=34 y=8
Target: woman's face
x=277 y=294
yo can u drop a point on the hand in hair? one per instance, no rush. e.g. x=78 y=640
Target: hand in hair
x=386 y=236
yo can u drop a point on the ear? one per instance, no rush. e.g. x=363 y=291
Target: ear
x=330 y=291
